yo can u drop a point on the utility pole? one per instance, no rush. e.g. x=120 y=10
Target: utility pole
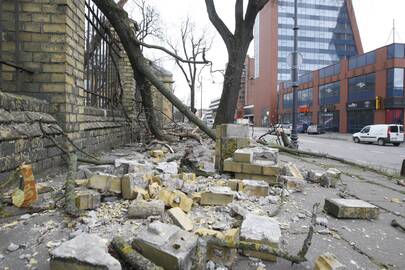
x=294 y=77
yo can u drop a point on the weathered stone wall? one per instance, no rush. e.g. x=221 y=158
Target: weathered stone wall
x=50 y=42
x=21 y=137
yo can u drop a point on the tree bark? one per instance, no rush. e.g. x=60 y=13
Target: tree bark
x=119 y=20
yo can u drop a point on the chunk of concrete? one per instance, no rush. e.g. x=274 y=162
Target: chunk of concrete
x=232 y=166
x=233 y=184
x=290 y=169
x=232 y=130
x=168 y=167
x=158 y=154
x=217 y=195
x=262 y=230
x=175 y=198
x=348 y=208
x=328 y=261
x=315 y=176
x=270 y=179
x=254 y=188
x=129 y=182
x=85 y=251
x=180 y=218
x=331 y=178
x=87 y=199
x=143 y=209
x=252 y=168
x=243 y=155
x=292 y=183
x=166 y=245
x=268 y=167
x=105 y=183
x=87 y=171
x=135 y=166
x=189 y=177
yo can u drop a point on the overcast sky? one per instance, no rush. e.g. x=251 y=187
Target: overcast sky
x=374 y=18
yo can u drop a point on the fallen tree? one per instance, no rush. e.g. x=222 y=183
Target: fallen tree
x=122 y=25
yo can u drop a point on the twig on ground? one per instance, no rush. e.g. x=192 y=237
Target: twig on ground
x=162 y=143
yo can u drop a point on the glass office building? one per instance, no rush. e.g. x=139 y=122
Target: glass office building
x=325 y=34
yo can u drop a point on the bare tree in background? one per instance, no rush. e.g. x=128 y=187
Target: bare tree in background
x=192 y=47
x=150 y=25
x=237 y=45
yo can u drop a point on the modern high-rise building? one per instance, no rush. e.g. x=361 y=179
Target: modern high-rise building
x=327 y=33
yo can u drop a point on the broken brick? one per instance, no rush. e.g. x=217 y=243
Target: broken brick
x=87 y=199
x=328 y=261
x=348 y=208
x=180 y=218
x=217 y=196
x=254 y=188
x=144 y=209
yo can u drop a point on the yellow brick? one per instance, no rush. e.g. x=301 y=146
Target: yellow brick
x=41 y=18
x=208 y=232
x=232 y=166
x=271 y=170
x=252 y=168
x=31 y=7
x=54 y=28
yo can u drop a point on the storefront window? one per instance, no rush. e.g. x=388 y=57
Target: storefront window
x=395 y=82
x=356 y=120
x=395 y=116
x=362 y=88
x=329 y=93
x=288 y=101
x=329 y=120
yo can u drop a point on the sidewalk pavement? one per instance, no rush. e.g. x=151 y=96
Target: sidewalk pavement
x=333 y=136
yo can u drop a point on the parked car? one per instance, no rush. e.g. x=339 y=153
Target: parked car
x=380 y=134
x=302 y=127
x=315 y=129
x=285 y=127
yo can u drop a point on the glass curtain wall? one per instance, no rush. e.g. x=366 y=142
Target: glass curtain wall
x=324 y=38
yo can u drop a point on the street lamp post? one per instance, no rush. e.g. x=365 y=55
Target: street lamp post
x=294 y=77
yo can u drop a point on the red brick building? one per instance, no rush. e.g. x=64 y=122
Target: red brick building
x=362 y=90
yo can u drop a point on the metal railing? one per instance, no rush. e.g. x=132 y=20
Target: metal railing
x=101 y=60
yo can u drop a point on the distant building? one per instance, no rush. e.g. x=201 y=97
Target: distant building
x=328 y=33
x=359 y=91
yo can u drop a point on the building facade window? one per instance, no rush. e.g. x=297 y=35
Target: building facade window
x=356 y=120
x=329 y=93
x=329 y=120
x=362 y=60
x=396 y=51
x=304 y=97
x=394 y=116
x=288 y=101
x=329 y=71
x=305 y=78
x=362 y=88
x=395 y=82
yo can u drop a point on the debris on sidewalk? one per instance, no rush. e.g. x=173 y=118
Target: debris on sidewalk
x=348 y=208
x=328 y=261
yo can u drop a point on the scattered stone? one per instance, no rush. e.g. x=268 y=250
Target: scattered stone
x=87 y=199
x=180 y=218
x=348 y=208
x=82 y=182
x=175 y=198
x=44 y=188
x=328 y=261
x=166 y=245
x=188 y=177
x=233 y=184
x=263 y=230
x=129 y=182
x=270 y=179
x=254 y=188
x=143 y=209
x=1 y=257
x=243 y=155
x=290 y=169
x=84 y=251
x=293 y=184
x=157 y=154
x=25 y=217
x=323 y=221
x=12 y=247
x=105 y=182
x=135 y=166
x=217 y=195
x=168 y=167
x=315 y=176
x=232 y=166
x=331 y=178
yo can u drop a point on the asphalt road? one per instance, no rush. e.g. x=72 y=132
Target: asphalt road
x=388 y=156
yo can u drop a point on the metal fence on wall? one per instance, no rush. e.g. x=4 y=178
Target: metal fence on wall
x=12 y=74
x=101 y=59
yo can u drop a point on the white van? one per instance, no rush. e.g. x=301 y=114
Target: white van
x=381 y=134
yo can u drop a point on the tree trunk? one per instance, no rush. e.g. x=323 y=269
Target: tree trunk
x=192 y=98
x=119 y=20
x=227 y=106
x=147 y=103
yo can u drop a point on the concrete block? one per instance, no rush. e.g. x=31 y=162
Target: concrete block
x=143 y=209
x=168 y=167
x=315 y=176
x=85 y=251
x=105 y=183
x=232 y=130
x=268 y=168
x=292 y=183
x=135 y=166
x=129 y=182
x=154 y=190
x=262 y=230
x=252 y=168
x=175 y=198
x=347 y=208
x=82 y=182
x=217 y=196
x=254 y=188
x=328 y=261
x=157 y=154
x=166 y=245
x=233 y=184
x=243 y=155
x=87 y=199
x=232 y=166
x=180 y=218
x=290 y=169
x=270 y=179
x=331 y=178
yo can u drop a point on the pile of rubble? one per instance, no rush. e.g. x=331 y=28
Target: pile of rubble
x=168 y=211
